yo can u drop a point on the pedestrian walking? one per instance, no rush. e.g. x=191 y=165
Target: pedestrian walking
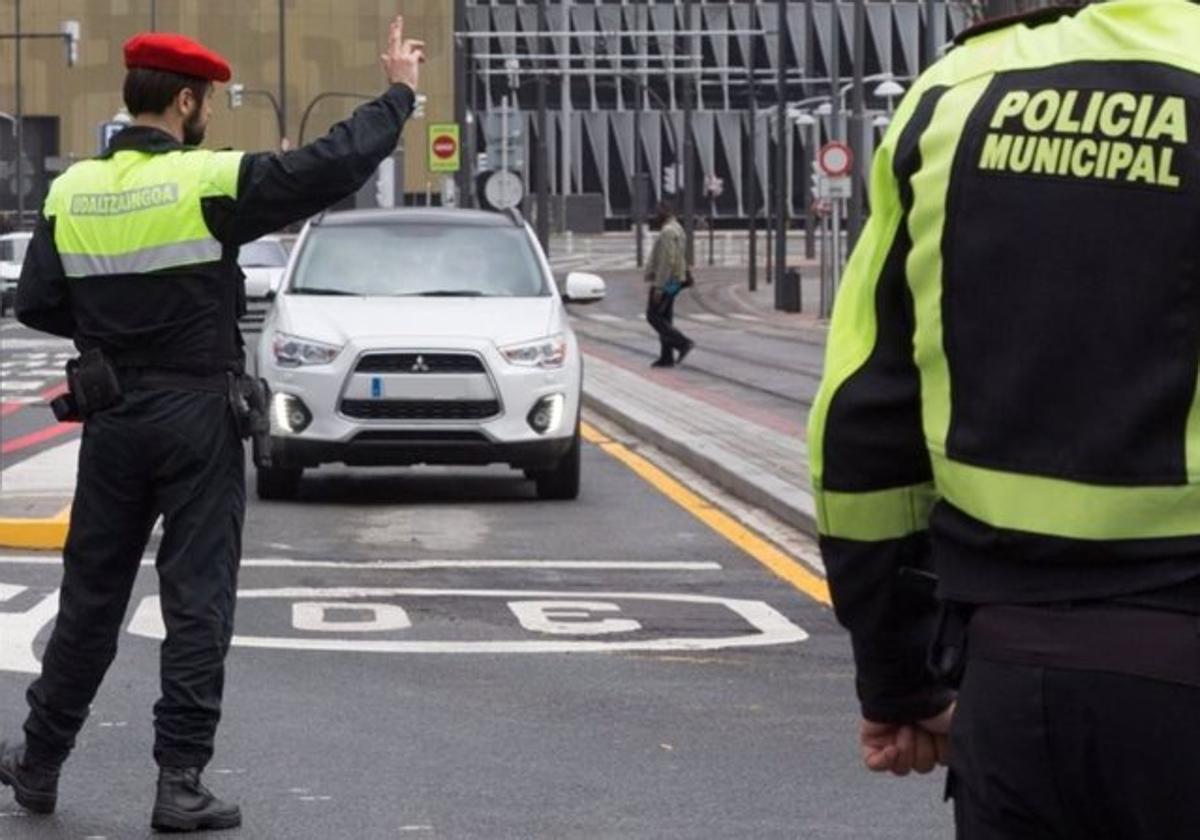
x=135 y=257
x=667 y=273
x=1005 y=450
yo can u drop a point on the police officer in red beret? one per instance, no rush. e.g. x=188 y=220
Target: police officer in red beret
x=135 y=259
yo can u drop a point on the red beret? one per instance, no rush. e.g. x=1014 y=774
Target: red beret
x=175 y=54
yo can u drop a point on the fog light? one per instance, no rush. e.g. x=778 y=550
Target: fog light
x=546 y=414
x=289 y=414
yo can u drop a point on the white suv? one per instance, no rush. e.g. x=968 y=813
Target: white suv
x=423 y=337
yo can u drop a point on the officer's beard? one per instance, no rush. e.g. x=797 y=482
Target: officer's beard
x=193 y=130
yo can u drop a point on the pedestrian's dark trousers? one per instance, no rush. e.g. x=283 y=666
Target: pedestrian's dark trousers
x=1096 y=751
x=176 y=454
x=660 y=312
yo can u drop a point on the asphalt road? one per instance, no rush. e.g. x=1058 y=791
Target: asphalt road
x=437 y=654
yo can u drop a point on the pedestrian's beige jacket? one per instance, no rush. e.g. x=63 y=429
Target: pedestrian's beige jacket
x=668 y=258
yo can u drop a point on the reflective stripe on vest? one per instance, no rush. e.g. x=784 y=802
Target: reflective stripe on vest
x=137 y=212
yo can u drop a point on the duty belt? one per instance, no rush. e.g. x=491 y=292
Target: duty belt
x=166 y=379
x=1114 y=638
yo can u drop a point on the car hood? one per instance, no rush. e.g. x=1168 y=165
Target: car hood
x=341 y=320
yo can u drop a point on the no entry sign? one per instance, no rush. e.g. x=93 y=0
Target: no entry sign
x=835 y=159
x=445 y=150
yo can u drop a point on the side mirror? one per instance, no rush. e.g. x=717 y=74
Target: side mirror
x=584 y=288
x=270 y=295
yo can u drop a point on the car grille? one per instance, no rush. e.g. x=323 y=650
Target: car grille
x=420 y=409
x=420 y=363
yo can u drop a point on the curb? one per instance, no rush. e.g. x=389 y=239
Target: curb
x=36 y=534
x=744 y=488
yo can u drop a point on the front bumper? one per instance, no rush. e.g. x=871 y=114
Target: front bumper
x=365 y=419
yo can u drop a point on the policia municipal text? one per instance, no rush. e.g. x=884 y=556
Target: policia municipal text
x=1006 y=446
x=135 y=258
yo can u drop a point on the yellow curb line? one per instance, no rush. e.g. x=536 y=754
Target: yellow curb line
x=38 y=534
x=757 y=547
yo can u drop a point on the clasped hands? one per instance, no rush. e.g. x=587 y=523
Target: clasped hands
x=902 y=748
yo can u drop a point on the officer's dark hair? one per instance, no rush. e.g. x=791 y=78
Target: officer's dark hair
x=665 y=210
x=150 y=91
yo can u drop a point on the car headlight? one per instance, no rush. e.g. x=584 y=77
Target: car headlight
x=291 y=351
x=544 y=353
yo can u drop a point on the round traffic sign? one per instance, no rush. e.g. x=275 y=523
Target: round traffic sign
x=504 y=190
x=445 y=146
x=835 y=159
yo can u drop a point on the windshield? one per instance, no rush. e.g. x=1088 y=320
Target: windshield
x=397 y=260
x=262 y=254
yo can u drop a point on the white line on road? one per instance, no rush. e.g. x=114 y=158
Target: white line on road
x=51 y=472
x=421 y=565
x=707 y=317
x=770 y=626
x=18 y=630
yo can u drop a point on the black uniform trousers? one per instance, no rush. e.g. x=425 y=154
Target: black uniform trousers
x=1040 y=752
x=172 y=453
x=660 y=312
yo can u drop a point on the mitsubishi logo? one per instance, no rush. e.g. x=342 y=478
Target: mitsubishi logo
x=419 y=365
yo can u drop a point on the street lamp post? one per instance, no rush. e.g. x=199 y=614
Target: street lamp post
x=236 y=91
x=329 y=94
x=69 y=33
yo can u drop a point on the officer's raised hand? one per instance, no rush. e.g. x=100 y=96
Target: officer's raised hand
x=403 y=58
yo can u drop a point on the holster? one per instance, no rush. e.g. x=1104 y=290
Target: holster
x=250 y=399
x=948 y=652
x=92 y=386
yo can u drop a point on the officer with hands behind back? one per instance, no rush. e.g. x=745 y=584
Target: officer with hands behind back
x=135 y=258
x=1010 y=403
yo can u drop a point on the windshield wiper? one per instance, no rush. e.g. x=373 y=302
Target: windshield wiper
x=307 y=290
x=445 y=293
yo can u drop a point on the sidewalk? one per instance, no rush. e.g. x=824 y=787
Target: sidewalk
x=760 y=465
x=736 y=410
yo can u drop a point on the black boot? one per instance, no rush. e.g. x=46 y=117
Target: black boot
x=35 y=786
x=184 y=804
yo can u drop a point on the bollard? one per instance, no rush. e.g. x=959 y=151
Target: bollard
x=570 y=242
